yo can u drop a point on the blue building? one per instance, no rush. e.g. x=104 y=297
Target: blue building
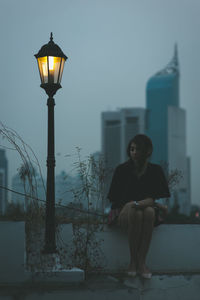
x=162 y=91
x=166 y=126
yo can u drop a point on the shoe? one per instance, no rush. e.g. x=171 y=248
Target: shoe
x=145 y=273
x=131 y=273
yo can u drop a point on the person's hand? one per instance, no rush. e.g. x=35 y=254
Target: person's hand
x=132 y=204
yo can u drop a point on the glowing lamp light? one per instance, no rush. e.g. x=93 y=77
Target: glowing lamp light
x=51 y=62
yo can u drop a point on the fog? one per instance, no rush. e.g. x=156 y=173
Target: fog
x=113 y=48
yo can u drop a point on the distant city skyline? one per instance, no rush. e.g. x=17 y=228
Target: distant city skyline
x=63 y=189
x=113 y=48
x=164 y=121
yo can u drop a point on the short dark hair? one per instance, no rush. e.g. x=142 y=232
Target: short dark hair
x=143 y=142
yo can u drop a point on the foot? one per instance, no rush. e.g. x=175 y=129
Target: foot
x=145 y=272
x=132 y=273
x=132 y=270
x=132 y=267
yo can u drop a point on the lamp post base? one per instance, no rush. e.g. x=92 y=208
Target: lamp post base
x=51 y=262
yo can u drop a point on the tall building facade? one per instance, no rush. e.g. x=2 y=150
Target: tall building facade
x=3 y=181
x=118 y=128
x=166 y=126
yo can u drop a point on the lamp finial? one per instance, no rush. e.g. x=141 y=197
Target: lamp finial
x=51 y=37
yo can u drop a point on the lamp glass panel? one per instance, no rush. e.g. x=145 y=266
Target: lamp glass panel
x=54 y=66
x=43 y=69
x=61 y=69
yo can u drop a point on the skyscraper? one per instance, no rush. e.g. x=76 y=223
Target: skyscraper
x=166 y=126
x=118 y=127
x=3 y=181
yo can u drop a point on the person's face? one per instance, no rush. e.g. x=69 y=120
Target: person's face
x=135 y=152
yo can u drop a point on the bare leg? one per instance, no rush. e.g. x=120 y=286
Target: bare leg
x=147 y=229
x=134 y=233
x=124 y=216
x=130 y=219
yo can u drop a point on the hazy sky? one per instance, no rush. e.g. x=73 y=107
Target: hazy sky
x=113 y=46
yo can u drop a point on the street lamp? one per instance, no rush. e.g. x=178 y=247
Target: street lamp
x=51 y=62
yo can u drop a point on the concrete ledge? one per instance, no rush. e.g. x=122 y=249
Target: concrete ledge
x=13 y=269
x=12 y=252
x=174 y=248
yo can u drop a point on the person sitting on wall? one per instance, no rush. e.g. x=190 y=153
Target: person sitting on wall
x=135 y=186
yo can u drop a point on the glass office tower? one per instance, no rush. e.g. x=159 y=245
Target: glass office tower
x=162 y=91
x=166 y=126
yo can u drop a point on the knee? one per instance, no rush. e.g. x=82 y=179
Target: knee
x=126 y=216
x=149 y=214
x=135 y=216
x=131 y=215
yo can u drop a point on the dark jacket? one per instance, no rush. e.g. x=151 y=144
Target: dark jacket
x=126 y=186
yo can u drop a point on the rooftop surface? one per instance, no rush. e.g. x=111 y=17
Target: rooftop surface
x=109 y=286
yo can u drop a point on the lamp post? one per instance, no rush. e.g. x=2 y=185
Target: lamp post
x=51 y=62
